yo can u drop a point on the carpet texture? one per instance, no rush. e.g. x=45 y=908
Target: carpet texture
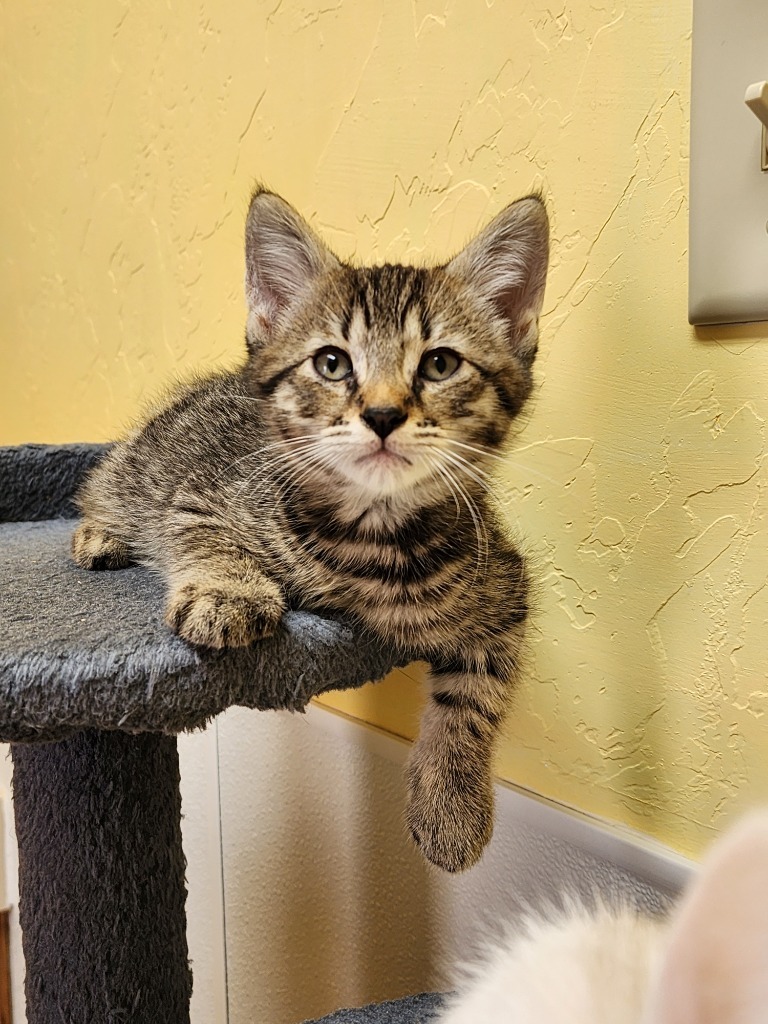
x=412 y=1010
x=101 y=878
x=39 y=481
x=85 y=649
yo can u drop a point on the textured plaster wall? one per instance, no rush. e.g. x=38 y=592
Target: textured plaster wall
x=132 y=133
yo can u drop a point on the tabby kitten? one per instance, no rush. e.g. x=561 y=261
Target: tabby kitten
x=706 y=964
x=343 y=468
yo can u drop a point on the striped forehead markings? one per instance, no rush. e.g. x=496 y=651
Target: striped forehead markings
x=387 y=295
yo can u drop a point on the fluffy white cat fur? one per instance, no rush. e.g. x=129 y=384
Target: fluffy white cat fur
x=706 y=963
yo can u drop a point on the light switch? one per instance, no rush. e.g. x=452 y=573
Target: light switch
x=728 y=229
x=756 y=99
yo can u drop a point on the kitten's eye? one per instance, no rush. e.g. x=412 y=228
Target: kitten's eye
x=332 y=363
x=439 y=364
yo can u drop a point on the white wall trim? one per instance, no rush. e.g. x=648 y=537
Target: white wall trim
x=201 y=836
x=626 y=848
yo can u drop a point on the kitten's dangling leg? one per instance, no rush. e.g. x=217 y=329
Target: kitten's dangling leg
x=450 y=770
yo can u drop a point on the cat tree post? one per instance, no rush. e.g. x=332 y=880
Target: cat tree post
x=101 y=878
x=93 y=689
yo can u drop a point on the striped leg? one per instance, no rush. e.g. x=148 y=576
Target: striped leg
x=450 y=772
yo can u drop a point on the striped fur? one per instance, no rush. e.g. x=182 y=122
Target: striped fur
x=277 y=485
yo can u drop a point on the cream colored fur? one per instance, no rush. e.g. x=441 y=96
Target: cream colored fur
x=706 y=964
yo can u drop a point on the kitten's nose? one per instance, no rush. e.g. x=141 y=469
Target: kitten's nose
x=384 y=421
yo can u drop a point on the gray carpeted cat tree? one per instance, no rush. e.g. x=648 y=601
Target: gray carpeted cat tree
x=93 y=689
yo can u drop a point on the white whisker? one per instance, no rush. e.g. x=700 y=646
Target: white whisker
x=473 y=472
x=477 y=519
x=486 y=453
x=505 y=458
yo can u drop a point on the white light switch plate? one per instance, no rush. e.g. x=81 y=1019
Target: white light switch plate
x=728 y=257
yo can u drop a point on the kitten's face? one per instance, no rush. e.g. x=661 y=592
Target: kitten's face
x=389 y=379
x=395 y=377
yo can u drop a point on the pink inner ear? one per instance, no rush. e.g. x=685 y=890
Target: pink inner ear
x=283 y=258
x=715 y=967
x=507 y=265
x=277 y=277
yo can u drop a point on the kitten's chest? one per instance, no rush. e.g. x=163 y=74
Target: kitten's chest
x=397 y=592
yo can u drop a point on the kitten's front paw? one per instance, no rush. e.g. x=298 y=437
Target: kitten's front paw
x=94 y=548
x=215 y=614
x=449 y=811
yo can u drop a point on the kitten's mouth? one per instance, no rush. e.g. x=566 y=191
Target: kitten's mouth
x=384 y=456
x=381 y=470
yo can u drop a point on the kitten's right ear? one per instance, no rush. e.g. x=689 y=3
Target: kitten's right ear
x=283 y=259
x=506 y=264
x=715 y=966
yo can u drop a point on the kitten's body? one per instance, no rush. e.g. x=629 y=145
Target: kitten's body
x=380 y=563
x=342 y=468
x=706 y=964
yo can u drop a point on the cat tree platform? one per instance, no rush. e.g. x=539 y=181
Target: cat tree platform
x=93 y=690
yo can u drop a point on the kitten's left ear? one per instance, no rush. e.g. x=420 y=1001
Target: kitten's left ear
x=283 y=260
x=507 y=265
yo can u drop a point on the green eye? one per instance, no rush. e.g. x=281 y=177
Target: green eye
x=439 y=364
x=332 y=363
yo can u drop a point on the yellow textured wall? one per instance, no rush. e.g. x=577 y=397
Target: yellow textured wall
x=132 y=132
